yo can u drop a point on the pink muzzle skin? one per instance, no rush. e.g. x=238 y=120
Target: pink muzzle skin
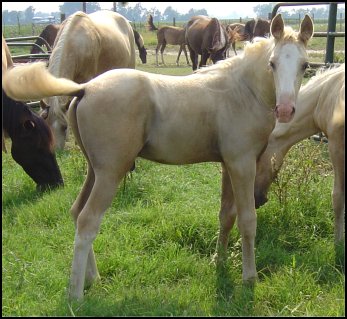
x=284 y=112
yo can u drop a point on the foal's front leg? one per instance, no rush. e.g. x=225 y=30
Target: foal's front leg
x=242 y=174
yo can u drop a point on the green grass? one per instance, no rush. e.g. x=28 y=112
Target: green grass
x=156 y=242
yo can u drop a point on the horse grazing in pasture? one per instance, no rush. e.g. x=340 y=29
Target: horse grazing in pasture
x=256 y=28
x=223 y=113
x=32 y=139
x=49 y=33
x=141 y=47
x=320 y=108
x=169 y=35
x=207 y=37
x=86 y=46
x=236 y=32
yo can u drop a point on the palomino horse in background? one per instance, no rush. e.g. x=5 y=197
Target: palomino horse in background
x=49 y=33
x=236 y=32
x=168 y=35
x=320 y=108
x=86 y=46
x=32 y=140
x=141 y=46
x=256 y=28
x=207 y=37
x=223 y=113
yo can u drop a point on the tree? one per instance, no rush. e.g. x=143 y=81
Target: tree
x=169 y=14
x=71 y=7
x=29 y=14
x=263 y=10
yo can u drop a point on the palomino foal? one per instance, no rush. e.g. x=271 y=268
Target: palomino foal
x=223 y=113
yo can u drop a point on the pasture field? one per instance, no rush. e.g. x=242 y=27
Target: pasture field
x=156 y=242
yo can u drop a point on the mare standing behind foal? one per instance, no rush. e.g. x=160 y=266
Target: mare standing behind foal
x=86 y=46
x=320 y=108
x=32 y=140
x=207 y=37
x=224 y=113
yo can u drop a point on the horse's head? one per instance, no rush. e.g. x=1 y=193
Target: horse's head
x=53 y=111
x=143 y=55
x=288 y=62
x=32 y=144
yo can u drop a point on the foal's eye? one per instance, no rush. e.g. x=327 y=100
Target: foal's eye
x=305 y=66
x=272 y=65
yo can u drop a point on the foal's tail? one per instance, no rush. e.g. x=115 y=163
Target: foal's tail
x=34 y=82
x=151 y=26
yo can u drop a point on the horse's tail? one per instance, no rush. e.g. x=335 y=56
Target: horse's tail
x=34 y=82
x=151 y=26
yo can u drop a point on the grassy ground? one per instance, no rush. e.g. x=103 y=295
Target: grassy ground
x=156 y=242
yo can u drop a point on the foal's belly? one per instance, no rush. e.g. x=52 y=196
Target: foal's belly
x=188 y=150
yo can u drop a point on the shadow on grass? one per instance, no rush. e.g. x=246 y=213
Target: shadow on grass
x=232 y=299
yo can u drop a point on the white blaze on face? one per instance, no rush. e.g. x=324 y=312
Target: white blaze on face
x=287 y=65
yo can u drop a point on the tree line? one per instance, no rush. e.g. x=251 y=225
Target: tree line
x=140 y=14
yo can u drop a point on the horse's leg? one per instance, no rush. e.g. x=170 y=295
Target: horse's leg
x=227 y=215
x=185 y=53
x=194 y=58
x=88 y=223
x=92 y=272
x=162 y=51
x=242 y=175
x=337 y=155
x=156 y=53
x=178 y=56
x=234 y=47
x=204 y=56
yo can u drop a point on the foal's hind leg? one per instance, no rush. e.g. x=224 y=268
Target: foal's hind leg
x=88 y=223
x=163 y=46
x=91 y=271
x=227 y=215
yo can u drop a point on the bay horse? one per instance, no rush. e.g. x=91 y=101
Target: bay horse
x=320 y=108
x=86 y=46
x=223 y=113
x=49 y=33
x=168 y=35
x=32 y=140
x=236 y=32
x=206 y=37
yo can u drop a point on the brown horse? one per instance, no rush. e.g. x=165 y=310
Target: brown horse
x=49 y=33
x=86 y=46
x=236 y=32
x=168 y=35
x=207 y=37
x=257 y=28
x=223 y=113
x=320 y=108
x=32 y=140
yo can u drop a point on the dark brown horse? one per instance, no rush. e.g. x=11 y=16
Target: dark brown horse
x=207 y=37
x=49 y=33
x=257 y=28
x=168 y=35
x=32 y=143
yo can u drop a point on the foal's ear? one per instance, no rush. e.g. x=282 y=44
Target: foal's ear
x=277 y=27
x=306 y=29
